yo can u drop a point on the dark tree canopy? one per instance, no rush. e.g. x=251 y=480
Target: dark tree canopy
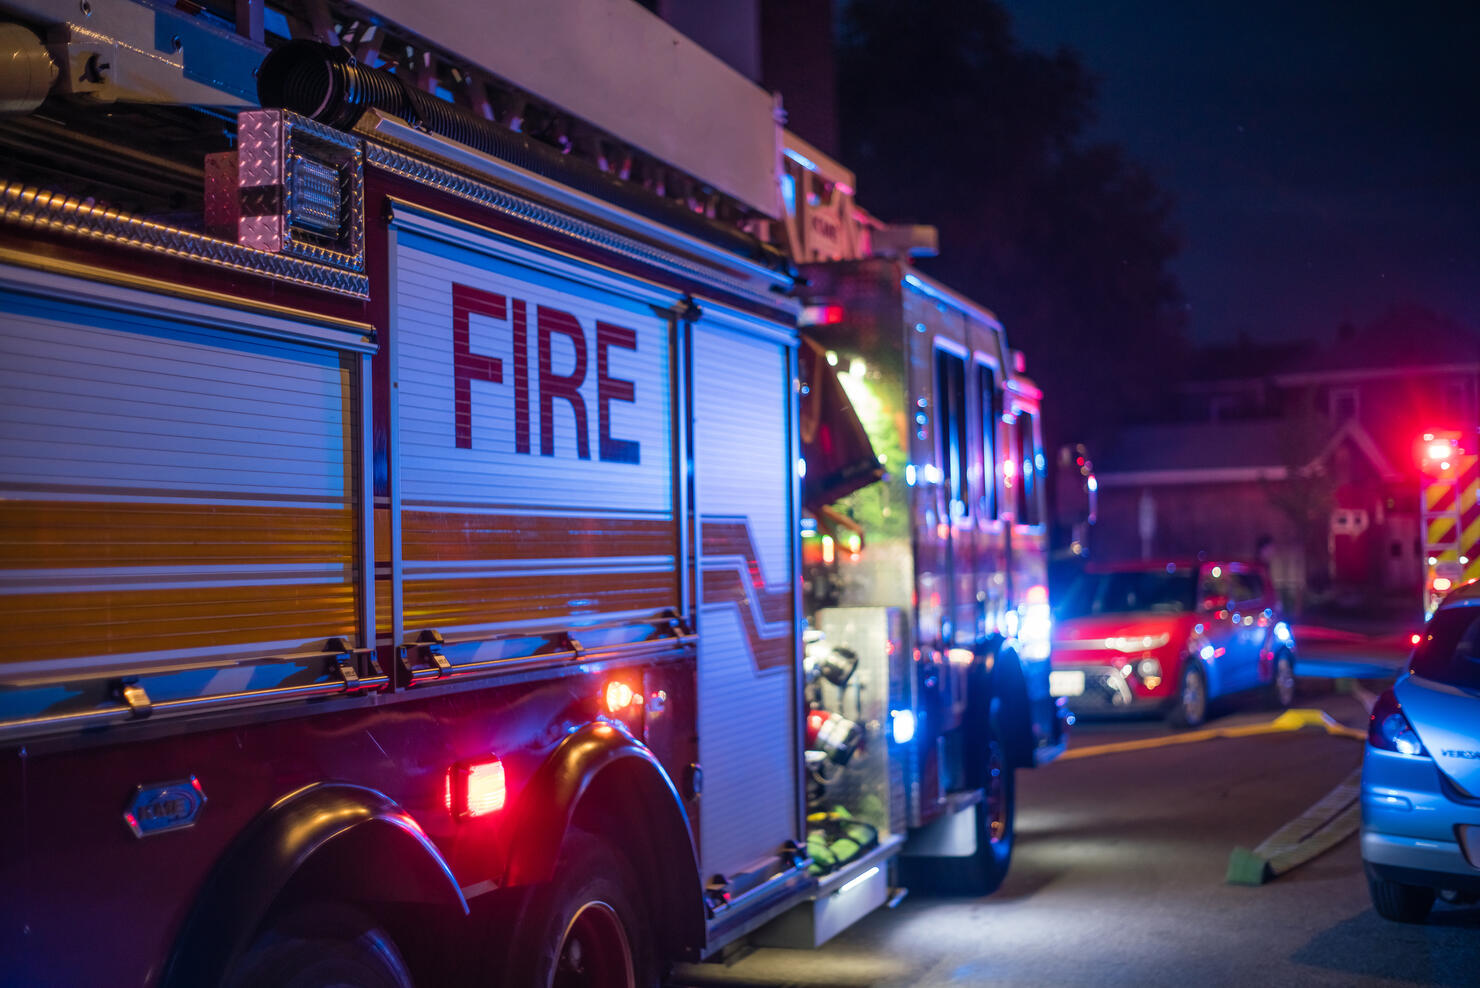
x=948 y=121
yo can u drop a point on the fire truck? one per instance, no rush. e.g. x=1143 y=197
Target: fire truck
x=942 y=563
x=1449 y=512
x=405 y=502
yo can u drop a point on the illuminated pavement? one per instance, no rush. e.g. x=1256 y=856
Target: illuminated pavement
x=1118 y=879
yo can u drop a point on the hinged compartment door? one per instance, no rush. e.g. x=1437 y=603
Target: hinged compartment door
x=749 y=713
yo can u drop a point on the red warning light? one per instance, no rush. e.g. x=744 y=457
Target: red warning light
x=475 y=788
x=1438 y=450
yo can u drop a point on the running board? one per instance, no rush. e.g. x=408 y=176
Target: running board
x=840 y=899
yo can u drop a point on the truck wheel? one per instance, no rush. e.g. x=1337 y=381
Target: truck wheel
x=994 y=822
x=983 y=872
x=321 y=946
x=582 y=928
x=1190 y=707
x=1282 y=686
x=1398 y=902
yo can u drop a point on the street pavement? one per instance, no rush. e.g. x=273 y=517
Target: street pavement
x=1118 y=877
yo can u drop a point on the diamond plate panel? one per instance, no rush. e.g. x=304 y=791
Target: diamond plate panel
x=223 y=209
x=39 y=209
x=259 y=144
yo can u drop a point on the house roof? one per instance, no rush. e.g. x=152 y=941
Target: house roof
x=1404 y=338
x=1229 y=452
x=1205 y=445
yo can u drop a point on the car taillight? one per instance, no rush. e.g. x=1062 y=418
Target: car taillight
x=1389 y=730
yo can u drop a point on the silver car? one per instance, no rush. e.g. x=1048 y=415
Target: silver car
x=1421 y=773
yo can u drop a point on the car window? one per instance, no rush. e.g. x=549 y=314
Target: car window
x=1243 y=588
x=1449 y=651
x=1215 y=582
x=1156 y=592
x=1256 y=585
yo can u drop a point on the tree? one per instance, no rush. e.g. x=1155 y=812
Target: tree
x=947 y=120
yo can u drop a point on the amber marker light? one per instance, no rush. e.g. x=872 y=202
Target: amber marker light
x=620 y=697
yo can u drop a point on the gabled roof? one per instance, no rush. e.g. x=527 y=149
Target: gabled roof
x=1230 y=452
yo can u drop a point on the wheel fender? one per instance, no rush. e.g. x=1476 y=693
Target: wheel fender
x=1008 y=689
x=603 y=779
x=1212 y=674
x=372 y=849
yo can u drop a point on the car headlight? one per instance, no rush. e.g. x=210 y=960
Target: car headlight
x=1149 y=669
x=1137 y=643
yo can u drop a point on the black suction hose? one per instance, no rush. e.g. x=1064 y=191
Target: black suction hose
x=330 y=86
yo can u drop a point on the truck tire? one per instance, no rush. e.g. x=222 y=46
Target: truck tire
x=583 y=928
x=995 y=820
x=319 y=946
x=983 y=872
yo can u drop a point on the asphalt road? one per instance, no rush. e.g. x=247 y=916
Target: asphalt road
x=1118 y=877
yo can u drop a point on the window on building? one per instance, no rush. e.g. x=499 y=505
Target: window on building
x=952 y=446
x=1344 y=404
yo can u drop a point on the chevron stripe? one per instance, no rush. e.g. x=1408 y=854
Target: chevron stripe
x=1467 y=474
x=1469 y=508
x=1442 y=532
x=1468 y=539
x=1438 y=497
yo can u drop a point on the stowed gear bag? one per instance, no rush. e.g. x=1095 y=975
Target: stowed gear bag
x=836 y=838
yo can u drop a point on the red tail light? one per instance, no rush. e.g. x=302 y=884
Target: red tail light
x=475 y=788
x=1389 y=730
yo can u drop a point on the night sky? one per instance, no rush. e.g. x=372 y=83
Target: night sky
x=1324 y=157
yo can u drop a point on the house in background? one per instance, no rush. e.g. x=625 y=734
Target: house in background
x=1303 y=455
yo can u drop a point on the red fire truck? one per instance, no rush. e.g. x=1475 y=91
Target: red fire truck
x=950 y=548
x=1449 y=512
x=403 y=508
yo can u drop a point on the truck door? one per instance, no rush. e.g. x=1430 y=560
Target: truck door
x=745 y=499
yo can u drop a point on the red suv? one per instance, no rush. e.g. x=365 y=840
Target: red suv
x=1170 y=635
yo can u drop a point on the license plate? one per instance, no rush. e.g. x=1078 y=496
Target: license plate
x=1066 y=682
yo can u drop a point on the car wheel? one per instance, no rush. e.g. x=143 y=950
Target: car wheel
x=582 y=928
x=320 y=946
x=1190 y=707
x=1282 y=686
x=1398 y=902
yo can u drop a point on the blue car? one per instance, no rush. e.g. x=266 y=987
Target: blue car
x=1421 y=772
